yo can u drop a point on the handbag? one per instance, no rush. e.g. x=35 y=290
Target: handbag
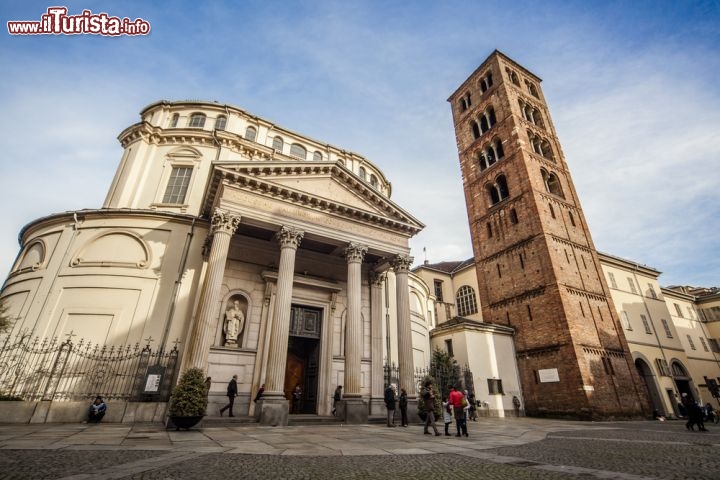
x=464 y=402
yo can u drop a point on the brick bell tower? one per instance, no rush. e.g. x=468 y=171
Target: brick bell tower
x=537 y=267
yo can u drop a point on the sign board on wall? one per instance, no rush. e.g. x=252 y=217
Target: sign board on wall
x=548 y=375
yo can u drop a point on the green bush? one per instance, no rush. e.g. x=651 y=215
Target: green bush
x=188 y=397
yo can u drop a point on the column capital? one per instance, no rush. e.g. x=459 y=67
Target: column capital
x=402 y=263
x=355 y=252
x=224 y=222
x=376 y=278
x=289 y=237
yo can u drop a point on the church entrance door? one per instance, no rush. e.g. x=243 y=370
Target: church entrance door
x=303 y=358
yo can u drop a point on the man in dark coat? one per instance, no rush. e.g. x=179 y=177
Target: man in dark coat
x=231 y=394
x=403 y=407
x=390 y=405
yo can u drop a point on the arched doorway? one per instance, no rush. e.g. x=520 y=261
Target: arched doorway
x=648 y=378
x=683 y=380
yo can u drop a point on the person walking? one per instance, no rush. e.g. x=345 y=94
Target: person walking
x=231 y=394
x=337 y=396
x=390 y=405
x=403 y=408
x=428 y=397
x=447 y=415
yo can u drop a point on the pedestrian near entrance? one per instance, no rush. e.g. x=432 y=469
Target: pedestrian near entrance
x=428 y=397
x=296 y=399
x=231 y=394
x=403 y=408
x=390 y=405
x=337 y=396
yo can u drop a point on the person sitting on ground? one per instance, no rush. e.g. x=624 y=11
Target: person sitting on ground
x=97 y=410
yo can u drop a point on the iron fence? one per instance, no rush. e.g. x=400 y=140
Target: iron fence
x=46 y=369
x=443 y=377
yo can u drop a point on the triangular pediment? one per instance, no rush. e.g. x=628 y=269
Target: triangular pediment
x=318 y=185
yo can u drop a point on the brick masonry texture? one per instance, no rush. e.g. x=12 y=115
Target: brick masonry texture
x=537 y=267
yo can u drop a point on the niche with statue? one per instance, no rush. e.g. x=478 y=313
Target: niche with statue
x=234 y=321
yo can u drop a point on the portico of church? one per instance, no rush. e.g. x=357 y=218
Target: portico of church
x=309 y=272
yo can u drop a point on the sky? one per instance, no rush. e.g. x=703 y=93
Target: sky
x=633 y=90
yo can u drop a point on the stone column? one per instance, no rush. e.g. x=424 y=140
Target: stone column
x=401 y=265
x=377 y=375
x=223 y=227
x=274 y=406
x=355 y=409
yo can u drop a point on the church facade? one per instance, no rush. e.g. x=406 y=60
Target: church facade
x=257 y=251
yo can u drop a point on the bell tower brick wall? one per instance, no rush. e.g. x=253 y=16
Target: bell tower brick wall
x=538 y=270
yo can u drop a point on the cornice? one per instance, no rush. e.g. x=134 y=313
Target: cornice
x=255 y=177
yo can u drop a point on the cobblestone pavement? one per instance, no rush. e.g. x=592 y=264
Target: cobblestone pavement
x=496 y=449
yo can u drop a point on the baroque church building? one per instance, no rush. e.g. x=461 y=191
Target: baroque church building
x=252 y=249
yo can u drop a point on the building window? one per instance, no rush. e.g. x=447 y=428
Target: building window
x=613 y=283
x=714 y=345
x=677 y=309
x=449 y=347
x=662 y=367
x=666 y=327
x=489 y=230
x=486 y=82
x=220 y=122
x=298 y=151
x=177 y=185
x=646 y=324
x=690 y=312
x=632 y=285
x=552 y=183
x=197 y=120
x=690 y=341
x=531 y=114
x=651 y=291
x=541 y=146
x=465 y=102
x=552 y=210
x=582 y=310
x=513 y=77
x=487 y=120
x=373 y=181
x=438 y=284
x=522 y=262
x=317 y=156
x=174 y=121
x=251 y=134
x=704 y=344
x=498 y=191
x=361 y=173
x=490 y=154
x=625 y=320
x=475 y=130
x=278 y=144
x=495 y=386
x=529 y=312
x=572 y=219
x=513 y=216
x=466 y=303
x=532 y=89
x=498 y=270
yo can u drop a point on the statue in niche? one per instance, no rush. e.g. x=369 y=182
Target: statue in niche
x=234 y=323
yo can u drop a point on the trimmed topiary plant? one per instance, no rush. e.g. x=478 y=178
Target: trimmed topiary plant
x=188 y=399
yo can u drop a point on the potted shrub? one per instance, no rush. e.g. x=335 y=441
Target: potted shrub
x=188 y=402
